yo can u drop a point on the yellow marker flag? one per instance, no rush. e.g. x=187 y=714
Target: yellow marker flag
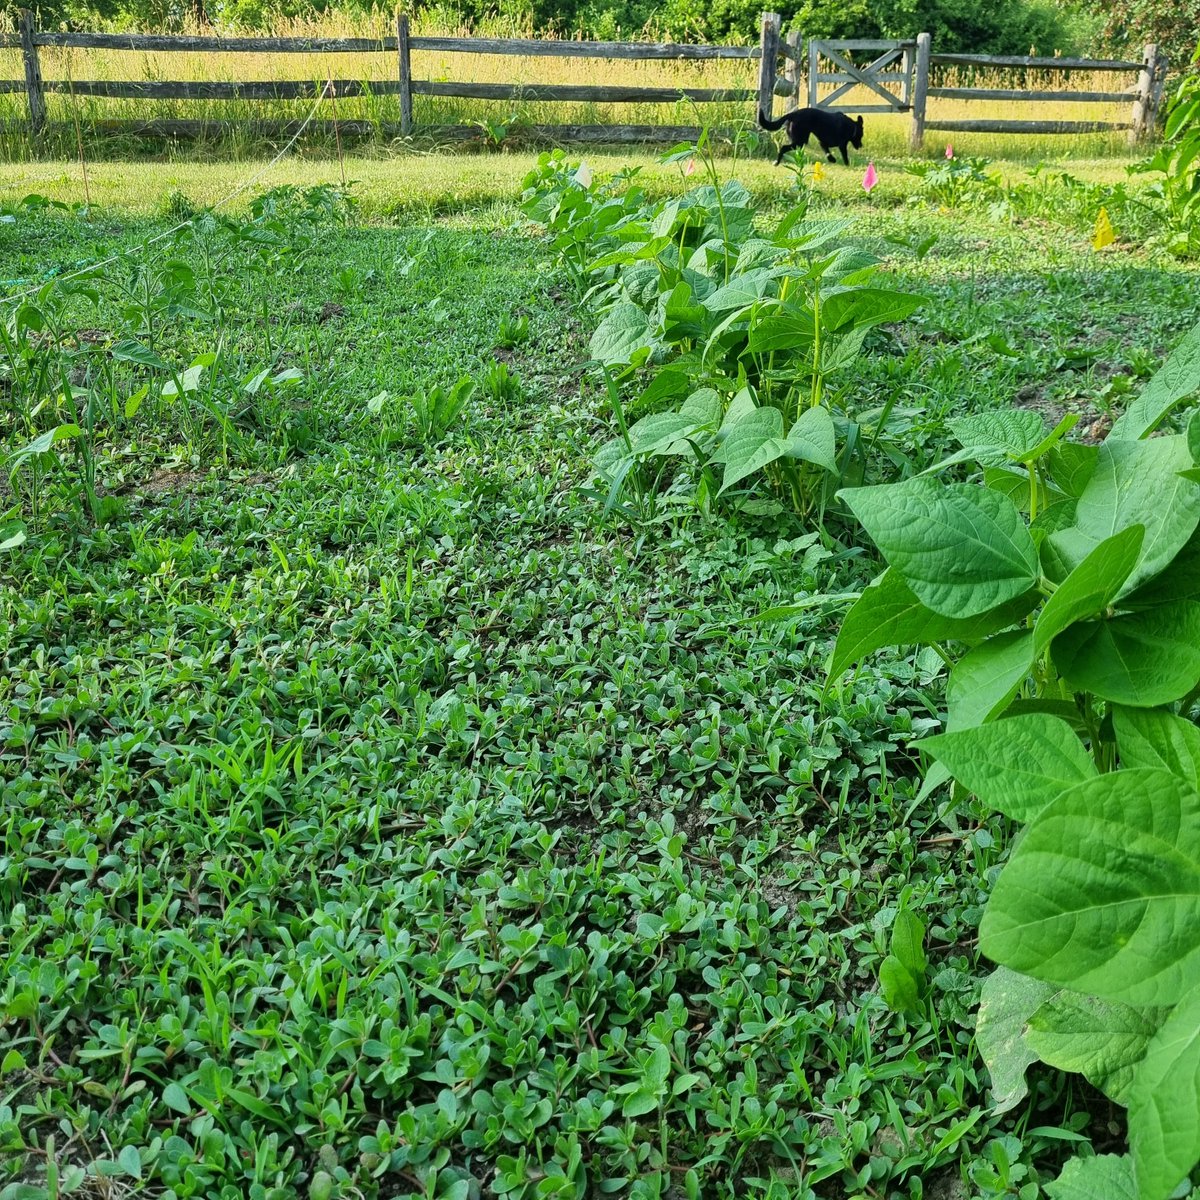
x=1104 y=234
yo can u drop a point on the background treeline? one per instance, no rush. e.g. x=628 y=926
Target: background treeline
x=984 y=26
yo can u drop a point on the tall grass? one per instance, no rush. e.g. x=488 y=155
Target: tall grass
x=234 y=134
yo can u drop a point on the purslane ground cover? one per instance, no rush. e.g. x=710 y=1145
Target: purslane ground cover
x=379 y=820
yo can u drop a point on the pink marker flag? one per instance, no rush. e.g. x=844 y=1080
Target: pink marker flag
x=690 y=169
x=870 y=179
x=949 y=150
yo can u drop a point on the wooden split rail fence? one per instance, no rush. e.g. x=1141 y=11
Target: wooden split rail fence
x=897 y=79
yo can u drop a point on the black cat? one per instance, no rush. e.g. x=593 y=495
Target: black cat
x=830 y=128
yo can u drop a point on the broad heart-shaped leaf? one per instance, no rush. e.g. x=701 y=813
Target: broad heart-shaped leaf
x=812 y=439
x=1134 y=483
x=888 y=614
x=742 y=290
x=962 y=549
x=1091 y=587
x=624 y=331
x=898 y=986
x=1149 y=737
x=984 y=681
x=1164 y=1104
x=1179 y=581
x=1016 y=765
x=1006 y=1003
x=1175 y=380
x=996 y=436
x=867 y=306
x=1142 y=659
x=1102 y=893
x=1101 y=1040
x=756 y=440
x=1104 y=1177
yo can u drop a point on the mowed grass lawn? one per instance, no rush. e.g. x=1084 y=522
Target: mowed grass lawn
x=381 y=819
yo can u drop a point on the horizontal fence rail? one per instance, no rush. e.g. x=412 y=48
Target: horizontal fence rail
x=894 y=76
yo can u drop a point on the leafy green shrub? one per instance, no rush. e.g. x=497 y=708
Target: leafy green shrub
x=1070 y=575
x=955 y=181
x=1178 y=160
x=746 y=335
x=438 y=408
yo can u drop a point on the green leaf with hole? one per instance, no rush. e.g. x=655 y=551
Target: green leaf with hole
x=1005 y=1005
x=1016 y=765
x=1103 y=1177
x=1102 y=893
x=963 y=550
x=1142 y=659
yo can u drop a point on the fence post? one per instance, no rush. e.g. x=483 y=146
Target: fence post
x=920 y=93
x=1149 y=94
x=792 y=70
x=402 y=48
x=814 y=61
x=33 y=73
x=768 y=63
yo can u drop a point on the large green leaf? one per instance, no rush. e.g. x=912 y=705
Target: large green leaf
x=1091 y=587
x=867 y=306
x=1102 y=893
x=1180 y=580
x=1016 y=765
x=1164 y=1103
x=1103 y=1040
x=985 y=679
x=756 y=440
x=812 y=439
x=962 y=549
x=1150 y=737
x=742 y=290
x=624 y=331
x=888 y=614
x=1103 y=1177
x=1174 y=381
x=1143 y=659
x=1134 y=483
x=998 y=436
x=1006 y=1003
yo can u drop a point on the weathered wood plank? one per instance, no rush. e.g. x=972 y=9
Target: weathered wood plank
x=596 y=93
x=1025 y=126
x=1038 y=63
x=33 y=71
x=270 y=89
x=8 y=86
x=550 y=48
x=844 y=106
x=843 y=77
x=225 y=45
x=404 y=48
x=768 y=61
x=916 y=132
x=191 y=128
x=956 y=93
x=864 y=43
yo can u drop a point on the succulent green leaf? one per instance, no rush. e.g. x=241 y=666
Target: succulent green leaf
x=962 y=549
x=1016 y=765
x=1102 y=893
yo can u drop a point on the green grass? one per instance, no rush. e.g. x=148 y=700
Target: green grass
x=380 y=821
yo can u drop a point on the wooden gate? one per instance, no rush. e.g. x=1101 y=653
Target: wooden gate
x=893 y=63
